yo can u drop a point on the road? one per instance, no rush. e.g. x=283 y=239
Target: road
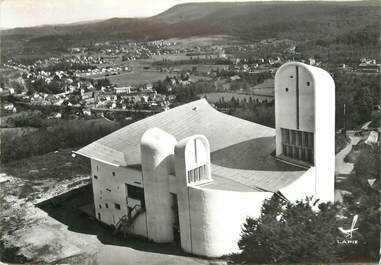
x=342 y=167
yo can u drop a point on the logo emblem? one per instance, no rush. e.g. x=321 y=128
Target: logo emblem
x=348 y=232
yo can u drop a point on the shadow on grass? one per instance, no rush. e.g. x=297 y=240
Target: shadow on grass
x=65 y=209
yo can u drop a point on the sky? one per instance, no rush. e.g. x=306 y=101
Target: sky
x=28 y=13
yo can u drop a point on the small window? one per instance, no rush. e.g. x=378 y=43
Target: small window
x=100 y=206
x=286 y=89
x=291 y=76
x=308 y=83
x=197 y=174
x=108 y=190
x=117 y=206
x=95 y=177
x=99 y=216
x=106 y=205
x=97 y=168
x=113 y=173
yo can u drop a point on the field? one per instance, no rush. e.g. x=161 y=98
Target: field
x=214 y=97
x=266 y=88
x=194 y=41
x=202 y=68
x=135 y=78
x=139 y=77
x=17 y=132
x=171 y=57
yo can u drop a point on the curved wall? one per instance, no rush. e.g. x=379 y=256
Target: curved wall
x=216 y=219
x=325 y=136
x=313 y=94
x=190 y=153
x=157 y=148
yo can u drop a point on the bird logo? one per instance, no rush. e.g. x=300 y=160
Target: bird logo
x=348 y=232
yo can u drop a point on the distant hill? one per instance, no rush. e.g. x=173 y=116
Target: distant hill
x=274 y=19
x=301 y=21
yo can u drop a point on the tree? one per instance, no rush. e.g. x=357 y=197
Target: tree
x=287 y=232
x=364 y=103
x=102 y=82
x=364 y=201
x=55 y=87
x=358 y=94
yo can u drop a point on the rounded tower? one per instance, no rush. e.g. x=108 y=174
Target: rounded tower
x=305 y=122
x=157 y=149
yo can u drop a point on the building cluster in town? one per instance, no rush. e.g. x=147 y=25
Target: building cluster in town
x=82 y=93
x=77 y=77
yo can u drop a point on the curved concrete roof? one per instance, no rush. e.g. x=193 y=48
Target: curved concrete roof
x=241 y=151
x=122 y=147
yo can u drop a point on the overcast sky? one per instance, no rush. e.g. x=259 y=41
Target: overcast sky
x=26 y=13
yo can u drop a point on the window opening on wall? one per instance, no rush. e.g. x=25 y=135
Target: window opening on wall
x=117 y=206
x=197 y=174
x=136 y=193
x=100 y=206
x=195 y=151
x=106 y=205
x=95 y=177
x=108 y=190
x=176 y=221
x=113 y=173
x=298 y=145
